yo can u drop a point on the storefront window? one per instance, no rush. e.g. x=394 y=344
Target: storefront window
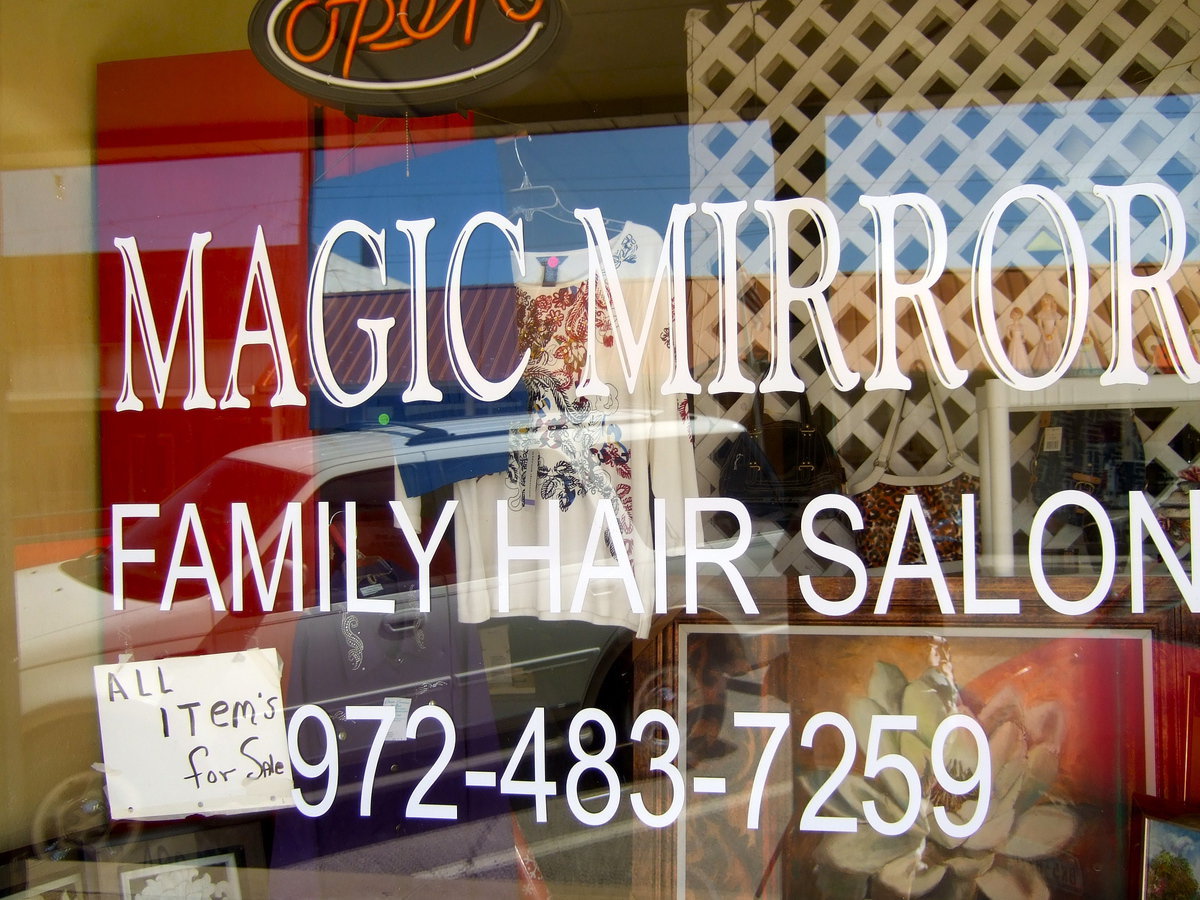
x=566 y=450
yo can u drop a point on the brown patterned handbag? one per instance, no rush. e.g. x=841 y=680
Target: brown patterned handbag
x=880 y=494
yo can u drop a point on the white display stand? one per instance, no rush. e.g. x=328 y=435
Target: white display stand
x=994 y=401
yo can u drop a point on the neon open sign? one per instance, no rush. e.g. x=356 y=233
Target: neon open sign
x=389 y=57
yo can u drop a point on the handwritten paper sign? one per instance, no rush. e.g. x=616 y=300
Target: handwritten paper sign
x=196 y=735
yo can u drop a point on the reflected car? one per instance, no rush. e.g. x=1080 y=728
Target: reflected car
x=489 y=677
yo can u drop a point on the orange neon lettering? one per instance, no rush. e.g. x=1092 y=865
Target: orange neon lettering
x=417 y=27
x=382 y=30
x=373 y=43
x=352 y=41
x=291 y=33
x=520 y=17
x=423 y=32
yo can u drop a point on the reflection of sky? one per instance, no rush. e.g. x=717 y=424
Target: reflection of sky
x=1175 y=839
x=732 y=161
x=449 y=185
x=630 y=174
x=966 y=158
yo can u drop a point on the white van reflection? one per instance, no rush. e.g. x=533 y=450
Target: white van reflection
x=488 y=677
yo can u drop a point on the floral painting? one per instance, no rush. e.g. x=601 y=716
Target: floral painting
x=1053 y=714
x=1003 y=760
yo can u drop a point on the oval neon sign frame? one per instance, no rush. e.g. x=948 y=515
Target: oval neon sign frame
x=391 y=57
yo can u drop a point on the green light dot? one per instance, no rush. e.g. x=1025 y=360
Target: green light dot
x=384 y=418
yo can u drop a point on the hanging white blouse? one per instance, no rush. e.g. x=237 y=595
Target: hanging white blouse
x=594 y=462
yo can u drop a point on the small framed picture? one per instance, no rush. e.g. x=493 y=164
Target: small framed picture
x=1164 y=849
x=163 y=843
x=213 y=876
x=67 y=886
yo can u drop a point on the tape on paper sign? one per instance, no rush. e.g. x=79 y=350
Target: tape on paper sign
x=401 y=706
x=195 y=735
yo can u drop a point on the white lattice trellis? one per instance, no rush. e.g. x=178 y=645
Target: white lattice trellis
x=959 y=100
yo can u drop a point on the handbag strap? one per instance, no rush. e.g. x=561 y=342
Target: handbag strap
x=757 y=413
x=806 y=413
x=954 y=454
x=883 y=458
x=958 y=462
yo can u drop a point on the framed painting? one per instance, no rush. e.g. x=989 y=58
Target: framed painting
x=163 y=845
x=925 y=755
x=210 y=877
x=1164 y=849
x=1023 y=745
x=62 y=886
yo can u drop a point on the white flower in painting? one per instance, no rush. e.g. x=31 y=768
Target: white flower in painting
x=184 y=883
x=1021 y=823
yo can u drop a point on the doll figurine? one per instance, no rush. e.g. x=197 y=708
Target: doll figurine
x=1050 y=343
x=1087 y=360
x=1157 y=357
x=1014 y=338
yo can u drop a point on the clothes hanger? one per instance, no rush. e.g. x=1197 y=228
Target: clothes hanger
x=529 y=199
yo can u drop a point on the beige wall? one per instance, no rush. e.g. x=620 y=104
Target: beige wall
x=48 y=56
x=48 y=379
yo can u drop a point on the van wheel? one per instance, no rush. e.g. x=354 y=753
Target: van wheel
x=72 y=815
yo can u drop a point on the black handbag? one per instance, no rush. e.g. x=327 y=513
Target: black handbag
x=775 y=468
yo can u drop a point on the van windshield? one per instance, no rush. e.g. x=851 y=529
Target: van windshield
x=264 y=489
